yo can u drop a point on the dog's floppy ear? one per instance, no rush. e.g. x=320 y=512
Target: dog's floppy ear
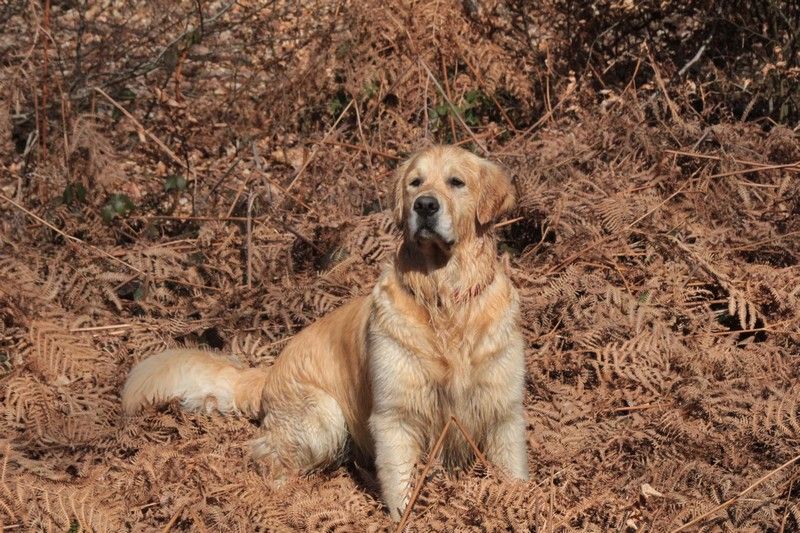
x=496 y=196
x=399 y=190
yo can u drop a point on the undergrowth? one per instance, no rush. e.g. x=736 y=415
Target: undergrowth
x=217 y=174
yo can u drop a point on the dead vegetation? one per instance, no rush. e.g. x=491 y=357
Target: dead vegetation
x=216 y=173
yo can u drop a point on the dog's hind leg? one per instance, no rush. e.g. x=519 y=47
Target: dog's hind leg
x=302 y=431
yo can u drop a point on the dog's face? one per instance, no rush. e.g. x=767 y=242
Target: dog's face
x=445 y=195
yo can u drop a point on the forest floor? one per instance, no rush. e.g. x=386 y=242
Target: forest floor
x=217 y=174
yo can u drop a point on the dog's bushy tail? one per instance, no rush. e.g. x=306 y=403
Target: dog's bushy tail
x=201 y=380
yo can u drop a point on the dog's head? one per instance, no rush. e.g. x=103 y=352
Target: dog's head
x=446 y=195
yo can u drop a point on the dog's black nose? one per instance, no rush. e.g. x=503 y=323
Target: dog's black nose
x=426 y=206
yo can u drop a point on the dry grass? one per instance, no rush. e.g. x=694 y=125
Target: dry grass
x=656 y=247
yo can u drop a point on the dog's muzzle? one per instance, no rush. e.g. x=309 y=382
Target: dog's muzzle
x=426 y=207
x=430 y=222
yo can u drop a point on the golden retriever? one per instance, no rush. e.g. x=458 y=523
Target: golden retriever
x=381 y=376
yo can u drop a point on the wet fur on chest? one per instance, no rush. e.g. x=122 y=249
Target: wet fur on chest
x=451 y=361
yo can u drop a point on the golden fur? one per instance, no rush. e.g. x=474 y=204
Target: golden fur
x=437 y=337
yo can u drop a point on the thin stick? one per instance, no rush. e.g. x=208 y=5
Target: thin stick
x=633 y=77
x=316 y=149
x=66 y=137
x=673 y=109
x=462 y=142
x=448 y=98
x=45 y=79
x=453 y=108
x=630 y=226
x=418 y=488
x=788 y=166
x=198 y=521
x=786 y=513
x=173 y=520
x=144 y=130
x=100 y=328
x=482 y=83
x=765 y=241
x=759 y=166
x=146 y=506
x=257 y=160
x=544 y=118
x=715 y=157
x=369 y=150
x=366 y=147
x=656 y=208
x=197 y=219
x=550 y=478
x=728 y=503
x=576 y=255
x=471 y=442
x=426 y=119
x=250 y=201
x=239 y=192
x=38 y=121
x=508 y=222
x=69 y=237
x=96 y=249
x=630 y=408
x=279 y=341
x=769 y=329
x=297 y=234
x=228 y=171
x=551 y=505
x=696 y=57
x=287 y=193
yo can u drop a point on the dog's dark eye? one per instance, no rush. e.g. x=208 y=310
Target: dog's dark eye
x=456 y=182
x=416 y=182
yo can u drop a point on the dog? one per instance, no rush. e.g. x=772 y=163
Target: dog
x=381 y=376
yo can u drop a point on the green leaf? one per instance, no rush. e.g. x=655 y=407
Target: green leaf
x=197 y=258
x=117 y=205
x=195 y=37
x=337 y=103
x=370 y=89
x=80 y=192
x=74 y=192
x=126 y=94
x=473 y=98
x=68 y=195
x=344 y=50
x=122 y=203
x=175 y=183
x=107 y=212
x=138 y=294
x=334 y=107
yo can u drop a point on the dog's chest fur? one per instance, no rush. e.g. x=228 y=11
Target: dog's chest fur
x=446 y=361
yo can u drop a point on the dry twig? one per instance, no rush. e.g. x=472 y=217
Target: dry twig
x=731 y=501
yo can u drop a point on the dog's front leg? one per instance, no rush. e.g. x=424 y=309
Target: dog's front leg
x=396 y=423
x=396 y=454
x=506 y=444
x=506 y=437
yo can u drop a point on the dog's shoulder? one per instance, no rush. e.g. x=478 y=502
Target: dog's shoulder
x=391 y=301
